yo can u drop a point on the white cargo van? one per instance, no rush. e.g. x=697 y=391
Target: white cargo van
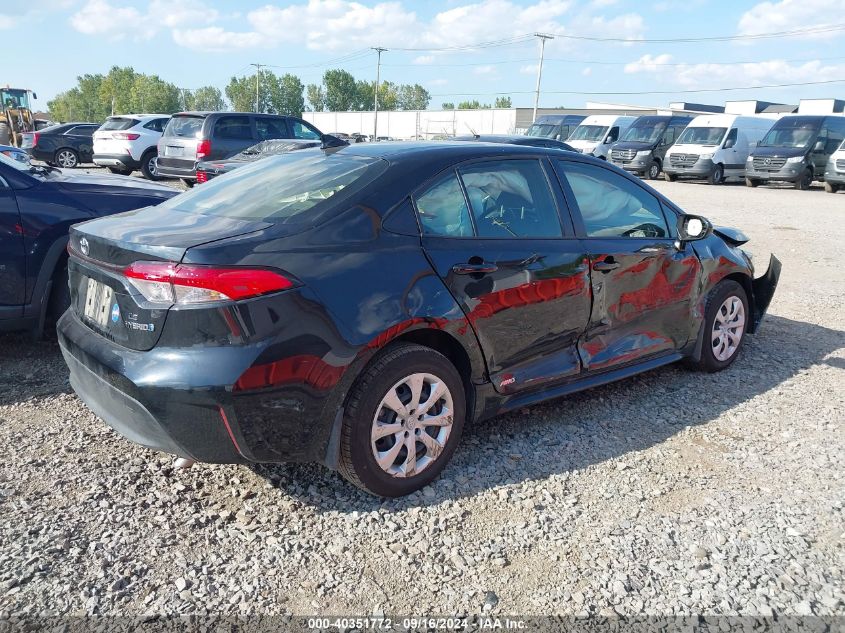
x=598 y=132
x=715 y=147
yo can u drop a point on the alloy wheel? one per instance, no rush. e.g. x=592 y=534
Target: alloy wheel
x=728 y=327
x=66 y=158
x=151 y=166
x=412 y=425
x=653 y=171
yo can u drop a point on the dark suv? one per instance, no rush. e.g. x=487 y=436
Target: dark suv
x=65 y=145
x=644 y=144
x=191 y=137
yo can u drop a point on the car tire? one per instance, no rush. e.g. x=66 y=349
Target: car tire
x=717 y=175
x=751 y=182
x=5 y=134
x=669 y=177
x=147 y=168
x=805 y=181
x=723 y=333
x=188 y=182
x=66 y=158
x=120 y=171
x=830 y=187
x=653 y=172
x=392 y=376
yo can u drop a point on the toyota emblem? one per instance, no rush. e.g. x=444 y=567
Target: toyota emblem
x=83 y=246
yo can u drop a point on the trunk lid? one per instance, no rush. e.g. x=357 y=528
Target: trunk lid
x=103 y=298
x=178 y=145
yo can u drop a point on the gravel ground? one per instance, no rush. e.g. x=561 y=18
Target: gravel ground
x=669 y=493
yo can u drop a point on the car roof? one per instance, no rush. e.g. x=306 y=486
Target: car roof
x=453 y=150
x=137 y=116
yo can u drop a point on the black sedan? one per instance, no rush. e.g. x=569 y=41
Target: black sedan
x=516 y=139
x=356 y=306
x=37 y=206
x=208 y=169
x=65 y=145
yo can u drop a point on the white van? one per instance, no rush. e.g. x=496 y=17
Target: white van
x=598 y=132
x=715 y=147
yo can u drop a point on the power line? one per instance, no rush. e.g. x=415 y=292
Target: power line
x=812 y=30
x=644 y=92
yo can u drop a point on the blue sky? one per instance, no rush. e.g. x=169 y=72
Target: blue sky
x=200 y=42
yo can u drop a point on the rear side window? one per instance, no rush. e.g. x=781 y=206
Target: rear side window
x=293 y=188
x=187 y=126
x=611 y=205
x=156 y=125
x=233 y=127
x=302 y=130
x=118 y=123
x=82 y=130
x=270 y=128
x=443 y=209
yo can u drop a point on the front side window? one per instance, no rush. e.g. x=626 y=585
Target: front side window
x=232 y=127
x=730 y=139
x=301 y=130
x=611 y=205
x=510 y=198
x=443 y=209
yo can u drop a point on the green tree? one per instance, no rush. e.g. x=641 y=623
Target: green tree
x=469 y=105
x=116 y=89
x=341 y=91
x=276 y=95
x=81 y=103
x=316 y=97
x=150 y=93
x=287 y=98
x=205 y=98
x=412 y=97
x=503 y=102
x=447 y=105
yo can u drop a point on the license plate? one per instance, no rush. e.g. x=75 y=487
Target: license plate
x=174 y=150
x=98 y=302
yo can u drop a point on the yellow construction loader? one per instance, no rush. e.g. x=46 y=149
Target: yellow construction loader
x=17 y=115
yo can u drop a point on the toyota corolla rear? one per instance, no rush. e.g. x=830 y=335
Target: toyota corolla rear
x=192 y=327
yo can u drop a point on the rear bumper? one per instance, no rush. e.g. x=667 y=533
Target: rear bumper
x=166 y=168
x=764 y=289
x=181 y=401
x=123 y=161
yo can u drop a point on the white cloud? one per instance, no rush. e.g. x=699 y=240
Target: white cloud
x=424 y=59
x=438 y=82
x=174 y=13
x=587 y=71
x=483 y=70
x=789 y=15
x=531 y=69
x=709 y=75
x=6 y=22
x=214 y=39
x=98 y=17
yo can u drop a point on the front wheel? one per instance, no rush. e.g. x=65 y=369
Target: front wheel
x=804 y=182
x=717 y=175
x=66 y=158
x=830 y=187
x=148 y=166
x=726 y=318
x=653 y=170
x=402 y=422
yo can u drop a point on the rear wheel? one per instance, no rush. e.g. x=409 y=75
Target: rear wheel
x=726 y=317
x=59 y=294
x=122 y=171
x=669 y=177
x=148 y=165
x=717 y=175
x=66 y=158
x=403 y=421
x=804 y=182
x=830 y=187
x=653 y=170
x=188 y=183
x=751 y=182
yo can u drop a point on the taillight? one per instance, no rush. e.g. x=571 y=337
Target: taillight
x=35 y=136
x=202 y=176
x=203 y=148
x=168 y=282
x=126 y=136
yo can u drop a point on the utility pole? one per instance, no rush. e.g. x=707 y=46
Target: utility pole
x=378 y=50
x=543 y=39
x=257 y=73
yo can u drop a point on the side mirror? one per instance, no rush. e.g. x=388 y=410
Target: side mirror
x=34 y=97
x=693 y=227
x=819 y=146
x=730 y=143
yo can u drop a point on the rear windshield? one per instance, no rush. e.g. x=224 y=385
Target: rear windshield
x=184 y=125
x=702 y=136
x=117 y=123
x=292 y=188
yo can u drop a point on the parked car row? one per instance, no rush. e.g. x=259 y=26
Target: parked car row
x=714 y=147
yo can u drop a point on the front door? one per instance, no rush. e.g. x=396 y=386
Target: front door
x=12 y=255
x=492 y=231
x=643 y=286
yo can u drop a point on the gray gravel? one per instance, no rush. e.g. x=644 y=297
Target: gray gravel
x=670 y=493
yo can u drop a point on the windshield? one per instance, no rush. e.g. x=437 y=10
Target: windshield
x=190 y=126
x=541 y=129
x=792 y=132
x=14 y=98
x=117 y=123
x=702 y=136
x=645 y=131
x=290 y=188
x=589 y=133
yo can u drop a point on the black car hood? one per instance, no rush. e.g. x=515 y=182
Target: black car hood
x=778 y=152
x=109 y=183
x=634 y=145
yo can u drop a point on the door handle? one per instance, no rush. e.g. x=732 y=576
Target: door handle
x=472 y=269
x=605 y=265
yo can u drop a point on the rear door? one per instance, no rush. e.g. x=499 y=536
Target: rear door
x=267 y=128
x=493 y=232
x=230 y=134
x=12 y=255
x=642 y=284
x=81 y=138
x=178 y=144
